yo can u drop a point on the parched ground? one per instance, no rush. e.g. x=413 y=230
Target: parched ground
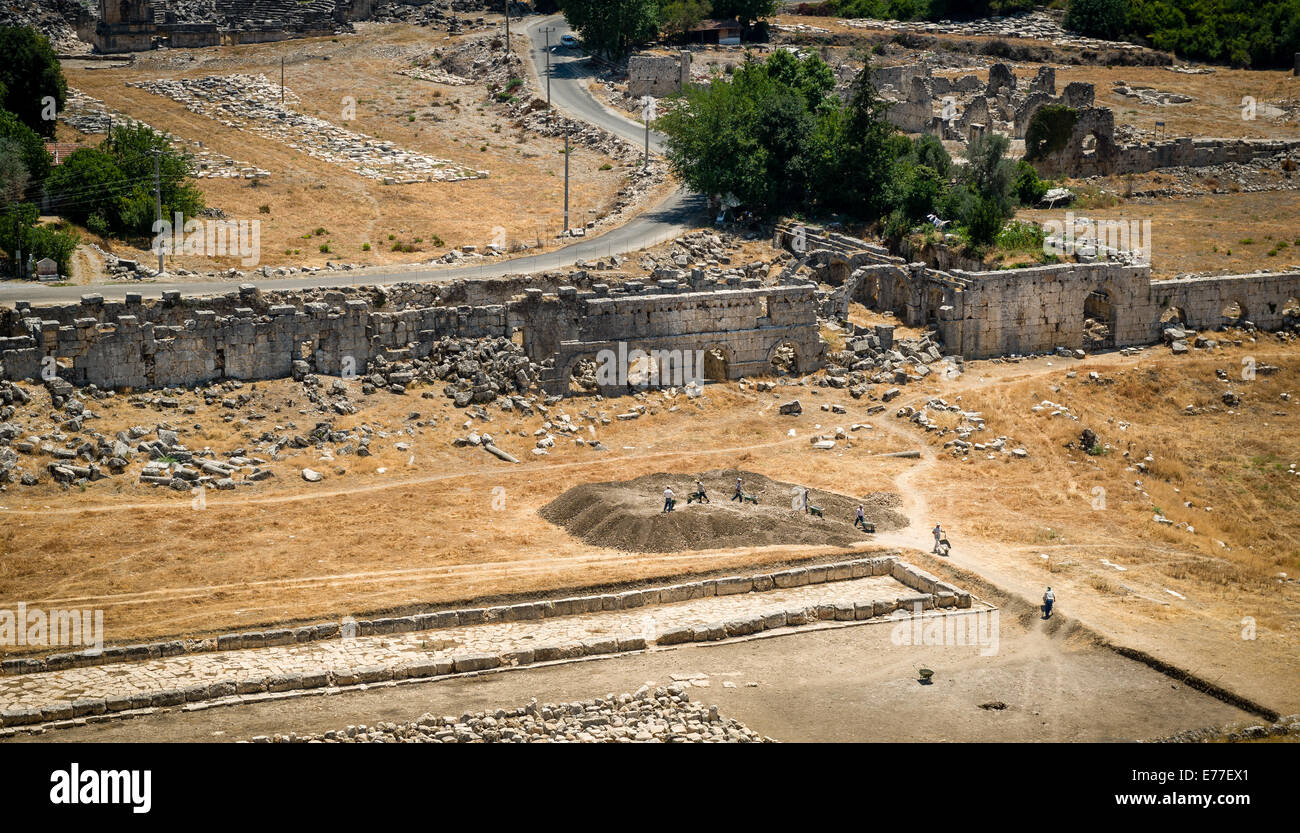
x=523 y=195
x=435 y=523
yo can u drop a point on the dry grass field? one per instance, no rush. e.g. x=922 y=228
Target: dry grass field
x=523 y=194
x=436 y=523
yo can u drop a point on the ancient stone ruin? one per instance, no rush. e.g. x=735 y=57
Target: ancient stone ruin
x=139 y=25
x=658 y=75
x=1040 y=309
x=926 y=103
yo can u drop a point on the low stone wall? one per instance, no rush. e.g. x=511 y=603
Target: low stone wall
x=241 y=336
x=929 y=594
x=890 y=565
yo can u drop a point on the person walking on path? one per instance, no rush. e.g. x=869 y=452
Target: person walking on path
x=1048 y=599
x=938 y=536
x=668 y=498
x=860 y=521
x=740 y=493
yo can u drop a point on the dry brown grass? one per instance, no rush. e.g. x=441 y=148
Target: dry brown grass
x=524 y=194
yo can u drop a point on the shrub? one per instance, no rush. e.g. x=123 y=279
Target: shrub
x=1049 y=130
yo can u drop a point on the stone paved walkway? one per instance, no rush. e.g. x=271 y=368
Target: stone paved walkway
x=137 y=680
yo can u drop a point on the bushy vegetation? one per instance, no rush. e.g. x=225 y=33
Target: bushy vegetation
x=109 y=188
x=30 y=76
x=776 y=138
x=614 y=27
x=928 y=9
x=1254 y=33
x=1049 y=130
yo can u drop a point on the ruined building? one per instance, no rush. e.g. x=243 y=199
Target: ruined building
x=138 y=25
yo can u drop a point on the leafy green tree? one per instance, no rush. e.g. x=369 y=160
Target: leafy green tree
x=810 y=76
x=13 y=172
x=612 y=27
x=921 y=193
x=1098 y=18
x=929 y=151
x=1028 y=187
x=680 y=16
x=747 y=11
x=87 y=184
x=110 y=188
x=30 y=74
x=988 y=172
x=34 y=155
x=744 y=136
x=985 y=221
x=860 y=175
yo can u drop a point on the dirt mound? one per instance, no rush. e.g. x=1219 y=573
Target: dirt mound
x=626 y=515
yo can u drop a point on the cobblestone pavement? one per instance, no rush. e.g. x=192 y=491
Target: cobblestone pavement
x=362 y=659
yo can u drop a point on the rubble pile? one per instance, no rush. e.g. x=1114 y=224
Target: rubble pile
x=871 y=356
x=476 y=371
x=55 y=19
x=661 y=715
x=252 y=103
x=90 y=115
x=965 y=424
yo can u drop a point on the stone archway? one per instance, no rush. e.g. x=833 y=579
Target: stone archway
x=784 y=359
x=1098 y=320
x=1173 y=316
x=1233 y=314
x=717 y=363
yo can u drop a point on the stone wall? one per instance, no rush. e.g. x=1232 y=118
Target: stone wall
x=1037 y=310
x=241 y=336
x=744 y=325
x=658 y=75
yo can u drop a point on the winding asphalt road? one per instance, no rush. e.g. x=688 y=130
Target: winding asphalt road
x=570 y=74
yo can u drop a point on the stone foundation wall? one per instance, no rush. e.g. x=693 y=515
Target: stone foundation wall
x=175 y=343
x=744 y=325
x=1037 y=310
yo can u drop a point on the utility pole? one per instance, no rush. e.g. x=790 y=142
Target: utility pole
x=507 y=5
x=566 y=178
x=647 y=113
x=281 y=79
x=546 y=30
x=157 y=205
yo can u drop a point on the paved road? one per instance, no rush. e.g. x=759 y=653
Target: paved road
x=569 y=94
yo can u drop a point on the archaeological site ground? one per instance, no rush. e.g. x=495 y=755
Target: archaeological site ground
x=454 y=410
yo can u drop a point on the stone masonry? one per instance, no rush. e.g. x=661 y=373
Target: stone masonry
x=1039 y=309
x=745 y=326
x=174 y=342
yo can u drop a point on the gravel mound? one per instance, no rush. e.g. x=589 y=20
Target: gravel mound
x=626 y=515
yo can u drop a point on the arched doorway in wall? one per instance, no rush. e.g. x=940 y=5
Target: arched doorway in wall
x=783 y=359
x=716 y=366
x=1233 y=314
x=1098 y=320
x=1173 y=317
x=581 y=377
